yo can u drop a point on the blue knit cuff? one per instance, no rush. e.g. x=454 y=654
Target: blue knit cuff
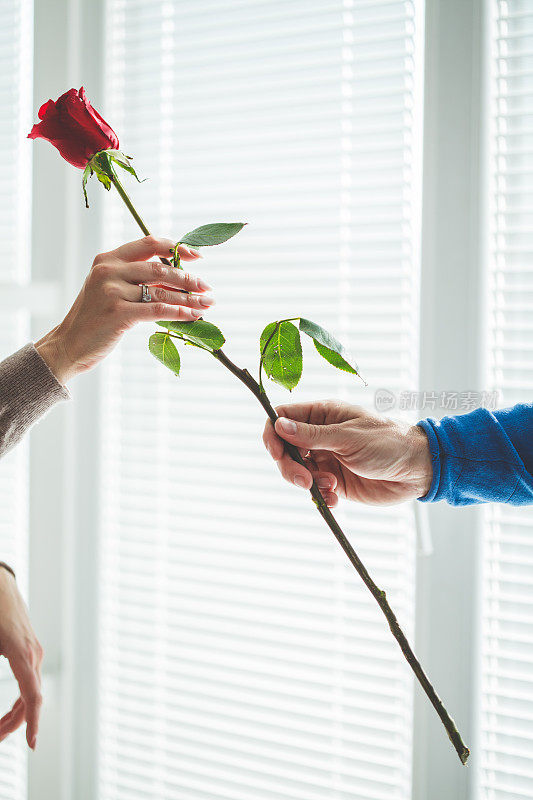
x=475 y=459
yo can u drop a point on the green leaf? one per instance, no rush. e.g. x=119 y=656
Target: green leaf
x=281 y=353
x=328 y=347
x=208 y=235
x=199 y=332
x=163 y=348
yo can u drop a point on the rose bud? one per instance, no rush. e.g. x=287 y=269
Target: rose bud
x=74 y=127
x=83 y=138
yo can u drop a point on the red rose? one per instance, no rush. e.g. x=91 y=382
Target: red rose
x=74 y=127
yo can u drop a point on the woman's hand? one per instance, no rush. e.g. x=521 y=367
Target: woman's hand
x=19 y=645
x=351 y=453
x=110 y=303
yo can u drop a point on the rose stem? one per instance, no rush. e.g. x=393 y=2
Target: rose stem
x=131 y=208
x=379 y=595
x=244 y=376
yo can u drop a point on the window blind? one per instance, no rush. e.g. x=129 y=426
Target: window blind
x=240 y=656
x=15 y=114
x=507 y=640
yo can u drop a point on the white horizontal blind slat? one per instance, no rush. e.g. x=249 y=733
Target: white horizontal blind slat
x=15 y=168
x=240 y=656
x=507 y=624
x=16 y=60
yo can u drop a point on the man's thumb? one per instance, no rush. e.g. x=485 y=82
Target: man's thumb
x=313 y=437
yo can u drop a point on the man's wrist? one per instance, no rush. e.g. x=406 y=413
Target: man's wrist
x=54 y=354
x=421 y=463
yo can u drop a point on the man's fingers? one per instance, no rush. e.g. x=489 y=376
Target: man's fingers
x=301 y=412
x=154 y=272
x=26 y=671
x=150 y=246
x=331 y=499
x=324 y=478
x=272 y=442
x=297 y=474
x=331 y=437
x=294 y=472
x=321 y=412
x=302 y=478
x=326 y=481
x=305 y=435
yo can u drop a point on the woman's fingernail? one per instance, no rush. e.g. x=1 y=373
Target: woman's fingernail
x=202 y=285
x=287 y=425
x=299 y=480
x=206 y=301
x=323 y=483
x=196 y=313
x=195 y=253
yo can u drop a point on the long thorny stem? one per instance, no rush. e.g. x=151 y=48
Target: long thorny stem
x=379 y=595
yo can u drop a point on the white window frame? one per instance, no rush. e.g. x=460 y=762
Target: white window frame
x=63 y=456
x=64 y=450
x=453 y=290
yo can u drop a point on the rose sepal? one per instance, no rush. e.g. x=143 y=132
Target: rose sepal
x=101 y=165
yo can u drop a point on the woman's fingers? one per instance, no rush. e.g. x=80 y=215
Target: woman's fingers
x=25 y=666
x=162 y=294
x=153 y=311
x=6 y=721
x=12 y=720
x=109 y=303
x=148 y=247
x=16 y=705
x=188 y=253
x=154 y=272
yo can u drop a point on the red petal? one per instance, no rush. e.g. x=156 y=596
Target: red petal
x=45 y=109
x=106 y=129
x=34 y=133
x=74 y=127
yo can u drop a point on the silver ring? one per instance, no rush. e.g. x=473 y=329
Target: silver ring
x=146 y=296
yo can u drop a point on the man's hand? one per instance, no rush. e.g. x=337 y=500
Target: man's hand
x=351 y=453
x=110 y=303
x=19 y=645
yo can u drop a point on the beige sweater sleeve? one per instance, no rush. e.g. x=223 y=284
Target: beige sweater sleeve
x=27 y=391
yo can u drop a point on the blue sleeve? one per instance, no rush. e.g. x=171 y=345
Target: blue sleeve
x=482 y=457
